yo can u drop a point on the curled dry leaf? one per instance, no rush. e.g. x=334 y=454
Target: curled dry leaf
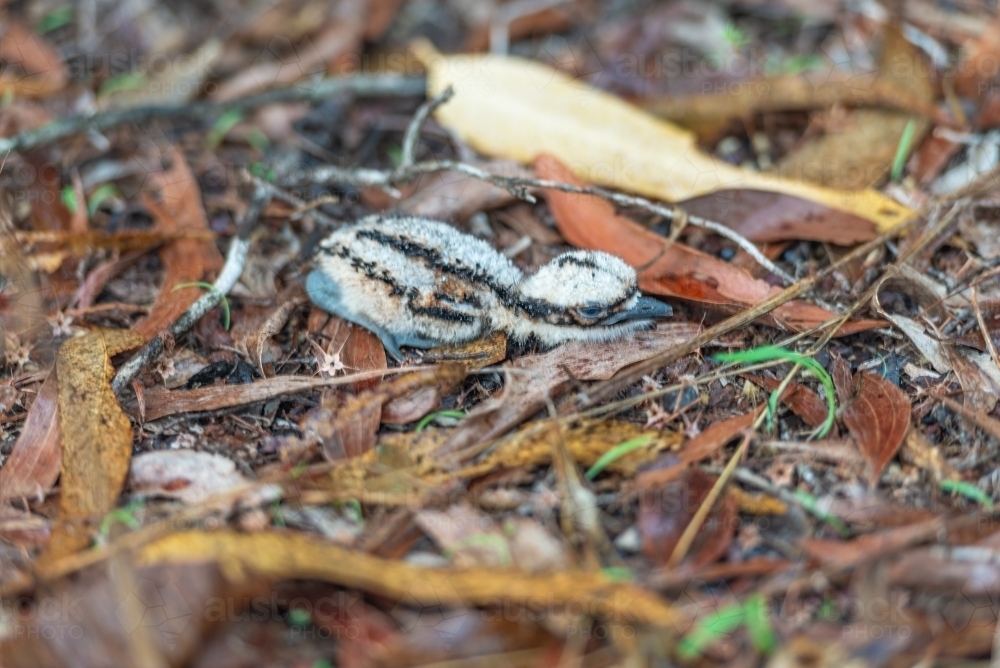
x=96 y=435
x=33 y=465
x=878 y=417
x=287 y=555
x=255 y=341
x=516 y=108
x=666 y=268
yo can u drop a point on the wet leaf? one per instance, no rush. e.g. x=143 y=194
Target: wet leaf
x=516 y=108
x=878 y=417
x=96 y=435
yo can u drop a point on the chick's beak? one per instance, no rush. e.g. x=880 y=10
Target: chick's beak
x=645 y=309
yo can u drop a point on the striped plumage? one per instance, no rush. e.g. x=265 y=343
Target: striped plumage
x=421 y=283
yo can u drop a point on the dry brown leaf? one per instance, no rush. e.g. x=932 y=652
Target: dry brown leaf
x=360 y=351
x=287 y=555
x=255 y=341
x=330 y=426
x=96 y=435
x=178 y=210
x=857 y=150
x=537 y=378
x=456 y=197
x=665 y=512
x=762 y=217
x=516 y=108
x=32 y=468
x=22 y=527
x=802 y=400
x=411 y=407
x=878 y=417
x=788 y=93
x=32 y=67
x=671 y=269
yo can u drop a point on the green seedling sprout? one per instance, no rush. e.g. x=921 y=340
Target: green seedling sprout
x=768 y=353
x=430 y=417
x=107 y=191
x=969 y=491
x=223 y=302
x=617 y=452
x=221 y=128
x=903 y=151
x=125 y=515
x=752 y=613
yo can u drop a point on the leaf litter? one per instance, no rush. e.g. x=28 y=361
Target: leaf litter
x=476 y=502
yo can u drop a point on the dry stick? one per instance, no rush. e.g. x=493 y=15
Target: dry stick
x=412 y=134
x=235 y=260
x=360 y=85
x=518 y=187
x=691 y=531
x=982 y=326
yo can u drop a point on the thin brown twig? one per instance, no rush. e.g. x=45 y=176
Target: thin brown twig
x=686 y=540
x=982 y=326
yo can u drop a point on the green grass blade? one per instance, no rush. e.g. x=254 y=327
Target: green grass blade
x=617 y=452
x=969 y=491
x=903 y=151
x=709 y=629
x=769 y=353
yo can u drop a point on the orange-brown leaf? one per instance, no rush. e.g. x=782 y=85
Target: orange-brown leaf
x=179 y=209
x=877 y=418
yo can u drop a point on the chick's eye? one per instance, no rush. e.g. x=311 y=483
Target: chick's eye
x=590 y=312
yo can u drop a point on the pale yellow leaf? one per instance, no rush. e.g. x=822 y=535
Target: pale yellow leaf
x=516 y=108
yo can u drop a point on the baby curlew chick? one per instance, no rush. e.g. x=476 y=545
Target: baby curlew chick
x=422 y=283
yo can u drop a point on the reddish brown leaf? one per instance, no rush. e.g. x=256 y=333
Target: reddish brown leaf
x=673 y=270
x=33 y=466
x=803 y=401
x=179 y=209
x=665 y=513
x=877 y=418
